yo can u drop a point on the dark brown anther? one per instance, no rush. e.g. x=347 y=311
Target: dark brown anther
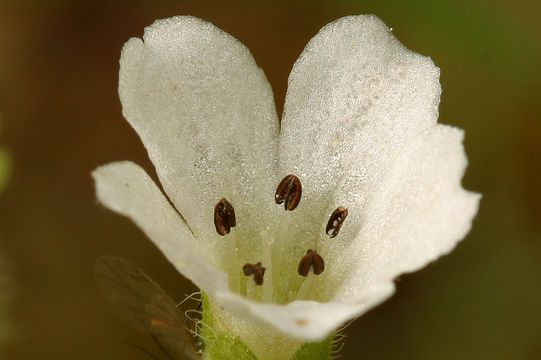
x=335 y=221
x=311 y=260
x=256 y=270
x=289 y=191
x=224 y=217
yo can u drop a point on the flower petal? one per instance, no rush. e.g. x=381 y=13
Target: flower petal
x=303 y=319
x=356 y=96
x=420 y=213
x=125 y=188
x=205 y=112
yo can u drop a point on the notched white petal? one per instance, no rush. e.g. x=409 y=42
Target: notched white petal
x=420 y=212
x=356 y=96
x=205 y=112
x=125 y=188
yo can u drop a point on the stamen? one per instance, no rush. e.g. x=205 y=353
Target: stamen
x=256 y=270
x=335 y=221
x=290 y=191
x=266 y=257
x=311 y=260
x=224 y=217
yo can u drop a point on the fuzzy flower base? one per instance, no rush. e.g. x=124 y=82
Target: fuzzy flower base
x=218 y=328
x=290 y=231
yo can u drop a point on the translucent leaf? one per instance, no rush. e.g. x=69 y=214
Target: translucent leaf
x=138 y=300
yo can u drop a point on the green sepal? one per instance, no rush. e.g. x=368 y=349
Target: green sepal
x=221 y=346
x=315 y=351
x=227 y=347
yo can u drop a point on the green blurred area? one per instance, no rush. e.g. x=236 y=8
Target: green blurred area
x=62 y=117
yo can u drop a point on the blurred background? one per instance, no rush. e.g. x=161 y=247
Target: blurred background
x=61 y=117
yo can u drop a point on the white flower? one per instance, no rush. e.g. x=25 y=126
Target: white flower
x=359 y=130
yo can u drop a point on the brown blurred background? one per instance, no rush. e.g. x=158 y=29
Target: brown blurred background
x=61 y=118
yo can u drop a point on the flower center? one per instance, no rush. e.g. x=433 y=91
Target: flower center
x=288 y=192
